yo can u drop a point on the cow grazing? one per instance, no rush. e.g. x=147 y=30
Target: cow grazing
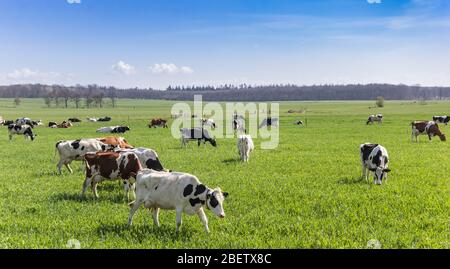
x=245 y=146
x=118 y=142
x=113 y=129
x=441 y=119
x=148 y=158
x=104 y=119
x=299 y=122
x=102 y=166
x=16 y=129
x=208 y=122
x=374 y=158
x=269 y=122
x=158 y=122
x=28 y=121
x=429 y=128
x=74 y=150
x=74 y=120
x=176 y=191
x=198 y=134
x=375 y=118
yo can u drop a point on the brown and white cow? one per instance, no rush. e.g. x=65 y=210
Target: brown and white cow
x=158 y=122
x=118 y=142
x=181 y=192
x=102 y=166
x=429 y=128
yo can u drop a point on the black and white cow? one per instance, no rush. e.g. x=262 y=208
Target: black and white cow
x=181 y=192
x=148 y=158
x=372 y=118
x=52 y=124
x=104 y=119
x=17 y=129
x=441 y=119
x=114 y=129
x=374 y=158
x=299 y=122
x=198 y=134
x=28 y=121
x=269 y=122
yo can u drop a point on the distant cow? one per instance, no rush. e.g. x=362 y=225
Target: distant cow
x=28 y=121
x=441 y=119
x=269 y=122
x=374 y=158
x=64 y=124
x=74 y=120
x=208 y=122
x=372 y=118
x=198 y=134
x=114 y=129
x=118 y=142
x=181 y=192
x=104 y=119
x=429 y=128
x=158 y=122
x=16 y=129
x=102 y=166
x=299 y=122
x=148 y=158
x=239 y=124
x=74 y=150
x=245 y=146
x=92 y=119
x=52 y=124
x=8 y=122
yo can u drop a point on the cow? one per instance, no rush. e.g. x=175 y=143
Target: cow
x=8 y=122
x=65 y=124
x=113 y=129
x=102 y=166
x=74 y=150
x=208 y=122
x=269 y=122
x=441 y=119
x=429 y=128
x=299 y=122
x=158 y=122
x=74 y=120
x=239 y=124
x=17 y=129
x=374 y=158
x=104 y=119
x=148 y=158
x=181 y=192
x=92 y=119
x=198 y=134
x=28 y=121
x=52 y=124
x=245 y=146
x=118 y=142
x=372 y=118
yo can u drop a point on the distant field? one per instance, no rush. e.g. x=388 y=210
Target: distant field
x=304 y=194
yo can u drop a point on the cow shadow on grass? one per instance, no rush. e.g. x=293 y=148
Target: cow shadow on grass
x=89 y=198
x=350 y=181
x=141 y=231
x=231 y=161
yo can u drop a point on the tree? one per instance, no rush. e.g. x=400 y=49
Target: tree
x=17 y=101
x=48 y=101
x=89 y=101
x=112 y=95
x=380 y=101
x=76 y=99
x=98 y=99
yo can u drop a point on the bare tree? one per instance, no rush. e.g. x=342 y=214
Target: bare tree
x=48 y=101
x=17 y=101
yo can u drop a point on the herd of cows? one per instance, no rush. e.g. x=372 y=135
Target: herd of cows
x=142 y=173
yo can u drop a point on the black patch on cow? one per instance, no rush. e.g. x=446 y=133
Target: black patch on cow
x=154 y=164
x=17 y=128
x=156 y=188
x=75 y=144
x=103 y=147
x=367 y=149
x=195 y=201
x=82 y=148
x=199 y=189
x=213 y=201
x=377 y=159
x=188 y=190
x=29 y=132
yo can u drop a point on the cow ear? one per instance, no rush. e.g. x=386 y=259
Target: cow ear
x=387 y=170
x=225 y=194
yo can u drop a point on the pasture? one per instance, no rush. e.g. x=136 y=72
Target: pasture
x=307 y=193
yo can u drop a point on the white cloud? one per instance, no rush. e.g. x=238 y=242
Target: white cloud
x=74 y=1
x=124 y=68
x=374 y=1
x=26 y=73
x=170 y=68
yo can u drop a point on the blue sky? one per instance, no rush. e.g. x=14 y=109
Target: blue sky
x=157 y=43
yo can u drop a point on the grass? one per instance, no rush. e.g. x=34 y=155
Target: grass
x=306 y=193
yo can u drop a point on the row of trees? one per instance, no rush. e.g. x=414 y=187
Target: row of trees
x=93 y=95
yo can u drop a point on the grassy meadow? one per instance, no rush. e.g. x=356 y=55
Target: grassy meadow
x=306 y=193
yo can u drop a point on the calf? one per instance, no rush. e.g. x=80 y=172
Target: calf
x=372 y=118
x=118 y=142
x=181 y=192
x=158 y=122
x=374 y=158
x=441 y=119
x=429 y=128
x=148 y=158
x=102 y=166
x=113 y=129
x=269 y=122
x=74 y=150
x=245 y=146
x=17 y=129
x=198 y=134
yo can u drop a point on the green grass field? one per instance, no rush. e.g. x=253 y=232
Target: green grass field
x=307 y=193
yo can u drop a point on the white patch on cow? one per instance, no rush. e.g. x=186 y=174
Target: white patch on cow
x=245 y=146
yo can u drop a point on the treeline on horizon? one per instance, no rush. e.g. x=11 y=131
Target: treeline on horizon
x=94 y=95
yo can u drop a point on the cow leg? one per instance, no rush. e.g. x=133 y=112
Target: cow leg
x=133 y=210
x=94 y=188
x=59 y=165
x=179 y=211
x=203 y=219
x=86 y=183
x=155 y=212
x=198 y=142
x=68 y=167
x=126 y=188
x=10 y=138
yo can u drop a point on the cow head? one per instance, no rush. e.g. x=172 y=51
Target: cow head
x=213 y=142
x=379 y=174
x=442 y=137
x=214 y=201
